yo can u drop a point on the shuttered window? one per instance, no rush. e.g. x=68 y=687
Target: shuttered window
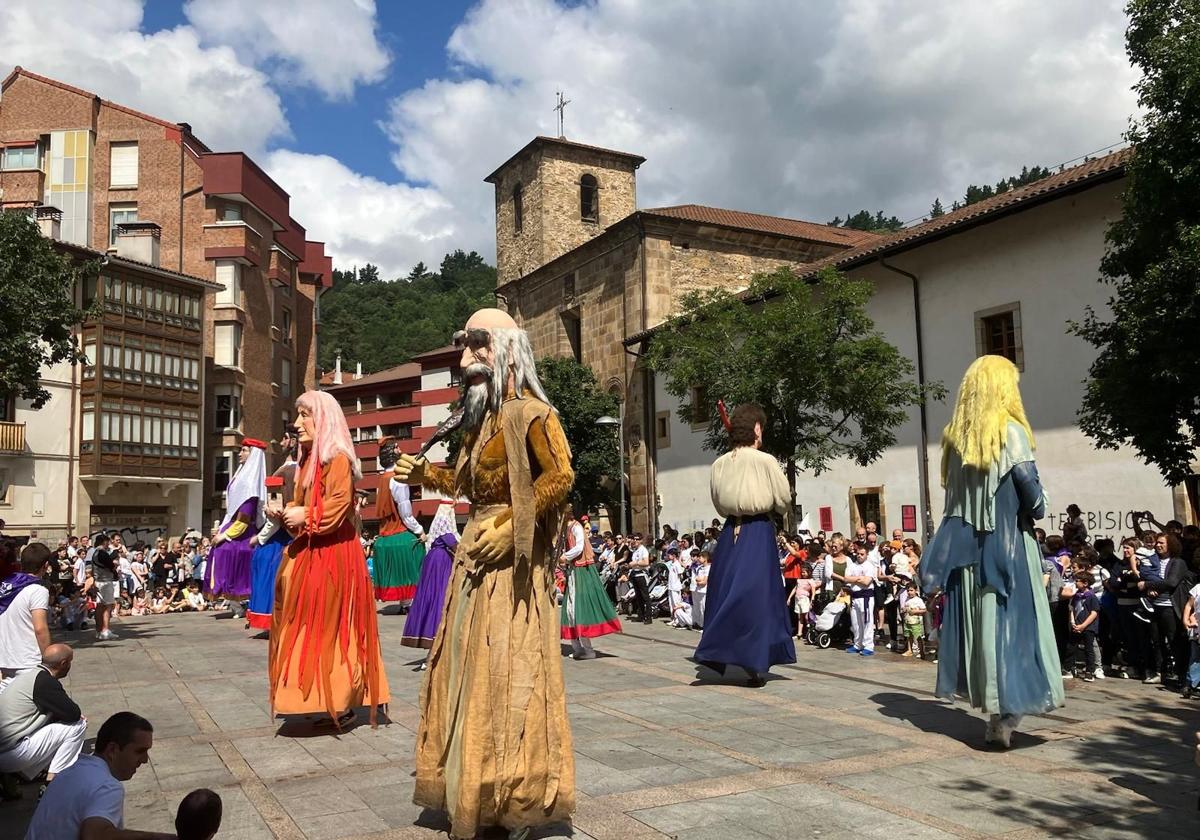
x=123 y=165
x=227 y=350
x=228 y=274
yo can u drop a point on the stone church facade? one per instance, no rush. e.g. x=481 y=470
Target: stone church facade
x=582 y=270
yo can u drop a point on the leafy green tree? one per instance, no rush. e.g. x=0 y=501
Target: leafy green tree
x=863 y=220
x=575 y=392
x=937 y=209
x=1143 y=388
x=37 y=307
x=384 y=323
x=809 y=353
x=976 y=193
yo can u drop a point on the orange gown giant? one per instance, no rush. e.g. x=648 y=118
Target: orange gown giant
x=325 y=654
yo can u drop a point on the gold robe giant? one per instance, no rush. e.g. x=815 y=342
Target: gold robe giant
x=494 y=745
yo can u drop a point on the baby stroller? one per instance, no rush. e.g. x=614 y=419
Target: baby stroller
x=831 y=626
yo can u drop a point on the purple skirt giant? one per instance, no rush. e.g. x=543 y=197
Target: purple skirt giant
x=228 y=574
x=425 y=614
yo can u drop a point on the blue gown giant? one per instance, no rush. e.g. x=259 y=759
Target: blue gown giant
x=996 y=645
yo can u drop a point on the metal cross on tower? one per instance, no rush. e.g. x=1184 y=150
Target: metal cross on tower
x=561 y=107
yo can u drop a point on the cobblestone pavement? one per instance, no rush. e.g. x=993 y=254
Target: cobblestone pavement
x=835 y=747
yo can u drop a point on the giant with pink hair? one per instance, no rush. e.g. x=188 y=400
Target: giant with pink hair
x=331 y=435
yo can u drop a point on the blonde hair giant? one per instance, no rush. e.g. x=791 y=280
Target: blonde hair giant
x=988 y=399
x=331 y=435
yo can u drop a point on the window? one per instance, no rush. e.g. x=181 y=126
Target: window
x=89 y=363
x=662 y=429
x=120 y=213
x=285 y=325
x=455 y=377
x=574 y=333
x=21 y=157
x=518 y=196
x=285 y=377
x=8 y=408
x=701 y=411
x=223 y=470
x=123 y=164
x=6 y=495
x=228 y=341
x=228 y=413
x=230 y=213
x=998 y=333
x=229 y=275
x=589 y=199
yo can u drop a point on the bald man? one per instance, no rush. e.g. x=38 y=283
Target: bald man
x=41 y=728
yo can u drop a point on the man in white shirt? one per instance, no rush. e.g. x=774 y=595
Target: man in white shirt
x=639 y=565
x=860 y=576
x=24 y=615
x=87 y=800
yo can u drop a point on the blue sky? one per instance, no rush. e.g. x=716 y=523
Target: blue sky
x=382 y=118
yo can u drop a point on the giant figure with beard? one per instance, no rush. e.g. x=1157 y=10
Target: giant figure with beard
x=494 y=745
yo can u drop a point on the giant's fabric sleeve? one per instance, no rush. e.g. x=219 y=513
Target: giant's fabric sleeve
x=243 y=519
x=338 y=496
x=552 y=454
x=1029 y=490
x=402 y=496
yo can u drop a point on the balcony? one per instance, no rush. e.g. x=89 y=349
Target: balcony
x=22 y=187
x=12 y=438
x=233 y=241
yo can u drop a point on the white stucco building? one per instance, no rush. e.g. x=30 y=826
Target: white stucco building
x=1004 y=275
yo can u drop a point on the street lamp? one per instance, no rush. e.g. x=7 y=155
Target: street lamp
x=609 y=422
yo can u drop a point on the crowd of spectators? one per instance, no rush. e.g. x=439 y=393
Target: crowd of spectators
x=1127 y=610
x=42 y=729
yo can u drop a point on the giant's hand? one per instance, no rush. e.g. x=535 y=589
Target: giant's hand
x=295 y=516
x=409 y=470
x=492 y=541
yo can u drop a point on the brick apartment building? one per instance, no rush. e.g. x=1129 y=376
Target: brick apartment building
x=118 y=445
x=406 y=402
x=219 y=217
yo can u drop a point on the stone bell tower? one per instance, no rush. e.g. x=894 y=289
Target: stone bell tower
x=554 y=195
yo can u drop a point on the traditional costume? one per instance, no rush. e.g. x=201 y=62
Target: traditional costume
x=425 y=615
x=586 y=611
x=227 y=574
x=399 y=551
x=494 y=743
x=745 y=613
x=272 y=540
x=324 y=655
x=996 y=646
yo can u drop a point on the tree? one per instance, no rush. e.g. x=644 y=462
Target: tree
x=37 y=307
x=937 y=210
x=976 y=193
x=575 y=392
x=384 y=323
x=832 y=386
x=863 y=220
x=1143 y=388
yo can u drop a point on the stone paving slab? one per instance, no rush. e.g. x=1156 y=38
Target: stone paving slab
x=835 y=747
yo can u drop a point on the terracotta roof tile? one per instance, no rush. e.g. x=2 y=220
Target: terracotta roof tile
x=542 y=140
x=1103 y=168
x=408 y=370
x=774 y=225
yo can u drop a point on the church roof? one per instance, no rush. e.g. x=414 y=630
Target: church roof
x=774 y=225
x=539 y=141
x=1084 y=176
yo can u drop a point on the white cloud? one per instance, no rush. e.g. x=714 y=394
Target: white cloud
x=363 y=219
x=97 y=46
x=797 y=109
x=331 y=45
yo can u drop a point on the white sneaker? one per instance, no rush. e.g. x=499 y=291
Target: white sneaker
x=1067 y=675
x=109 y=636
x=1007 y=727
x=1099 y=673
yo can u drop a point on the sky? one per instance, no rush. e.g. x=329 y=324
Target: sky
x=381 y=119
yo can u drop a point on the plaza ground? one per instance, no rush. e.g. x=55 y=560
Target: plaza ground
x=835 y=747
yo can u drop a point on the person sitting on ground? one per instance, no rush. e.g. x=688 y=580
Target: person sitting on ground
x=24 y=609
x=87 y=800
x=199 y=815
x=195 y=598
x=41 y=728
x=160 y=603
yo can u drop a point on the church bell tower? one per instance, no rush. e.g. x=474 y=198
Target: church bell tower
x=554 y=195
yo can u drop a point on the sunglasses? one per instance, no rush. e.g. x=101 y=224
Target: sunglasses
x=474 y=338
